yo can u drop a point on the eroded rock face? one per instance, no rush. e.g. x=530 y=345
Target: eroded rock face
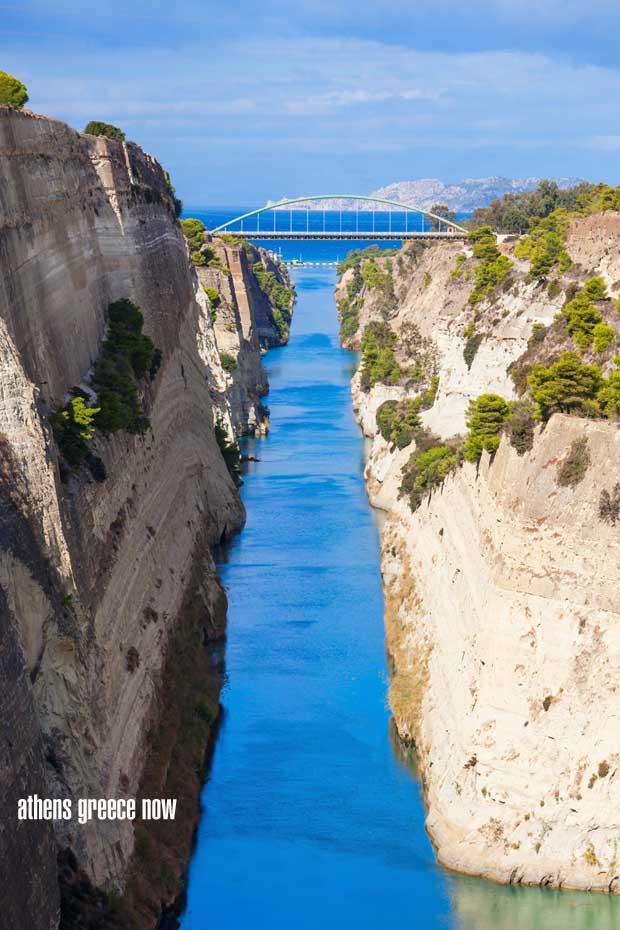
x=94 y=573
x=501 y=621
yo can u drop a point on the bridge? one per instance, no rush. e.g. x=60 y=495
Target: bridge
x=309 y=218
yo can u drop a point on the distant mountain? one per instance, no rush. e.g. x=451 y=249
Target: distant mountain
x=463 y=196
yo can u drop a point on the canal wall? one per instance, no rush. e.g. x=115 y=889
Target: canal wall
x=109 y=595
x=501 y=621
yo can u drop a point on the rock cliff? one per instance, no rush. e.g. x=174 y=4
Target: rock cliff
x=108 y=590
x=501 y=622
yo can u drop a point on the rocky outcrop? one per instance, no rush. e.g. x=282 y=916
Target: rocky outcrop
x=501 y=625
x=98 y=576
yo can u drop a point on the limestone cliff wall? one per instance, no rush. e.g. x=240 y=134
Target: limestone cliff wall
x=244 y=325
x=91 y=570
x=501 y=615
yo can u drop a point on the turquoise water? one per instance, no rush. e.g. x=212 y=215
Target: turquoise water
x=312 y=820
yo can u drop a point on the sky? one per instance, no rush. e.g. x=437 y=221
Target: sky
x=245 y=101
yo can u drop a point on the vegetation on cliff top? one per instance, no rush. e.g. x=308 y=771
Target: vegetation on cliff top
x=97 y=128
x=12 y=92
x=194 y=231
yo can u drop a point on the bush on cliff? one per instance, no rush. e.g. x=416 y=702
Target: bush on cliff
x=520 y=426
x=73 y=428
x=279 y=296
x=194 y=231
x=574 y=467
x=492 y=266
x=398 y=421
x=426 y=469
x=97 y=128
x=12 y=92
x=228 y=362
x=567 y=386
x=485 y=417
x=379 y=361
x=126 y=357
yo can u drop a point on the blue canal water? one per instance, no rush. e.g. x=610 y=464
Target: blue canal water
x=312 y=815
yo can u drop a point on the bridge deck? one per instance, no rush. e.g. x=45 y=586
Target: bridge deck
x=348 y=236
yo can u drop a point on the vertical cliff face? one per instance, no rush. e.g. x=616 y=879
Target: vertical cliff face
x=500 y=615
x=99 y=577
x=244 y=325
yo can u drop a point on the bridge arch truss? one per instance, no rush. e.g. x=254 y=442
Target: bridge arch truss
x=432 y=225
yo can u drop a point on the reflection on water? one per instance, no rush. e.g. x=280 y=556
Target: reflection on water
x=480 y=905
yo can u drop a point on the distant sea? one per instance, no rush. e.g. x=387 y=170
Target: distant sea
x=318 y=250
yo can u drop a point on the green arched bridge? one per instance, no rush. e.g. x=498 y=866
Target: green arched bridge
x=360 y=217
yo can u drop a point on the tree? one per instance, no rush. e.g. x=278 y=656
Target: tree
x=12 y=92
x=442 y=210
x=582 y=319
x=194 y=231
x=595 y=288
x=609 y=395
x=97 y=128
x=567 y=385
x=74 y=427
x=485 y=418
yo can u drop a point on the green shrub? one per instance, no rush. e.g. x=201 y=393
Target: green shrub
x=539 y=331
x=12 y=92
x=379 y=361
x=229 y=449
x=427 y=279
x=126 y=356
x=194 y=231
x=398 y=421
x=553 y=288
x=595 y=289
x=544 y=246
x=279 y=296
x=73 y=428
x=198 y=258
x=349 y=318
x=485 y=417
x=492 y=266
x=566 y=385
x=356 y=256
x=425 y=470
x=472 y=345
x=609 y=395
x=581 y=318
x=520 y=426
x=573 y=469
x=97 y=128
x=214 y=299
x=228 y=362
x=603 y=336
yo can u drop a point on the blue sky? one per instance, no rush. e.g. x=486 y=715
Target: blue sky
x=244 y=101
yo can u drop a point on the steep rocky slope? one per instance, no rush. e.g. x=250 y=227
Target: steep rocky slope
x=108 y=587
x=501 y=619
